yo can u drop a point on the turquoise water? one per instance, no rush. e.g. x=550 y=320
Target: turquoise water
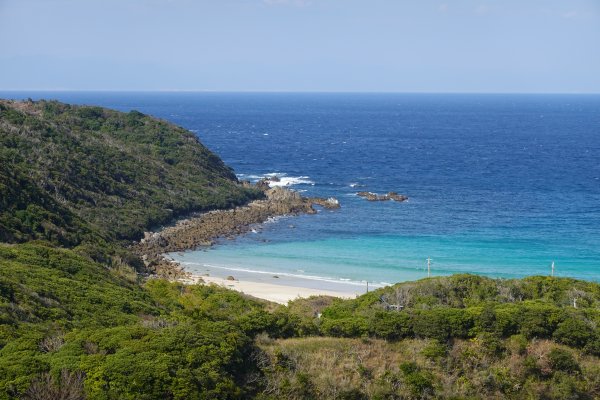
x=501 y=185
x=387 y=259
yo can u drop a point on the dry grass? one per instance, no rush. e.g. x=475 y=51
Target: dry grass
x=336 y=368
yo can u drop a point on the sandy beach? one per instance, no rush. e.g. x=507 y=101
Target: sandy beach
x=275 y=288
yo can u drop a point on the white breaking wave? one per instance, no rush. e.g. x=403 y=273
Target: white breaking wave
x=354 y=184
x=283 y=179
x=290 y=275
x=276 y=218
x=291 y=181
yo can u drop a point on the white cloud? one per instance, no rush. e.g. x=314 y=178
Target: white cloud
x=570 y=14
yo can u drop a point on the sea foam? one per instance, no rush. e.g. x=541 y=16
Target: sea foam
x=283 y=179
x=328 y=279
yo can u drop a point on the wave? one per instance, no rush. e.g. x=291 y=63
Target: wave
x=328 y=279
x=283 y=179
x=274 y=219
x=291 y=181
x=355 y=184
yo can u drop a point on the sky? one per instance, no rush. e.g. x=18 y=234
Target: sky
x=496 y=46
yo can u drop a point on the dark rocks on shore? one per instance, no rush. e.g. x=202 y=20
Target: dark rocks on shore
x=203 y=229
x=370 y=196
x=263 y=184
x=230 y=278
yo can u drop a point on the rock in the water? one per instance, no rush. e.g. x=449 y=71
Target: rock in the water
x=396 y=197
x=230 y=278
x=329 y=203
x=376 y=197
x=371 y=196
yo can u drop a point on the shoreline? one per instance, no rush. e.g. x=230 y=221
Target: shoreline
x=202 y=229
x=274 y=286
x=276 y=290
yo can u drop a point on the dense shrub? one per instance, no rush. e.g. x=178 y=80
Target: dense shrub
x=574 y=331
x=345 y=327
x=420 y=383
x=563 y=360
x=390 y=325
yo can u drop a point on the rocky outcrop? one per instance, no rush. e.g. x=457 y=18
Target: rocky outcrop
x=329 y=203
x=396 y=197
x=202 y=229
x=385 y=197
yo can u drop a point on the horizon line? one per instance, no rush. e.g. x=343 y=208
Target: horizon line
x=288 y=91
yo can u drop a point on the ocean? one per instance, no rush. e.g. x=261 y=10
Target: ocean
x=498 y=185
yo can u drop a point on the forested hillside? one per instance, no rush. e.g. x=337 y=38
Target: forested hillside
x=77 y=321
x=67 y=171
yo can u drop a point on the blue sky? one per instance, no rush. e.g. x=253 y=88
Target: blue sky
x=301 y=45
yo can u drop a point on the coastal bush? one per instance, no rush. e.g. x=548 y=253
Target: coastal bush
x=539 y=320
x=574 y=331
x=562 y=360
x=419 y=383
x=435 y=350
x=61 y=311
x=345 y=327
x=391 y=326
x=442 y=323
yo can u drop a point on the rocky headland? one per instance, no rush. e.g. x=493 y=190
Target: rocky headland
x=204 y=228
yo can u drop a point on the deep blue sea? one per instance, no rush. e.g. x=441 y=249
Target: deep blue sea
x=501 y=185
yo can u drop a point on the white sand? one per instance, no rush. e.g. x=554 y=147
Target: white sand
x=278 y=293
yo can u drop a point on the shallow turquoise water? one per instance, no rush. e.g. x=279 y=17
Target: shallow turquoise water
x=389 y=259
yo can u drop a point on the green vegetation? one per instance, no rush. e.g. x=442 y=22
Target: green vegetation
x=62 y=313
x=465 y=306
x=457 y=337
x=72 y=175
x=76 y=320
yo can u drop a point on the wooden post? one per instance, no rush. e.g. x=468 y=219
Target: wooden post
x=428 y=267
